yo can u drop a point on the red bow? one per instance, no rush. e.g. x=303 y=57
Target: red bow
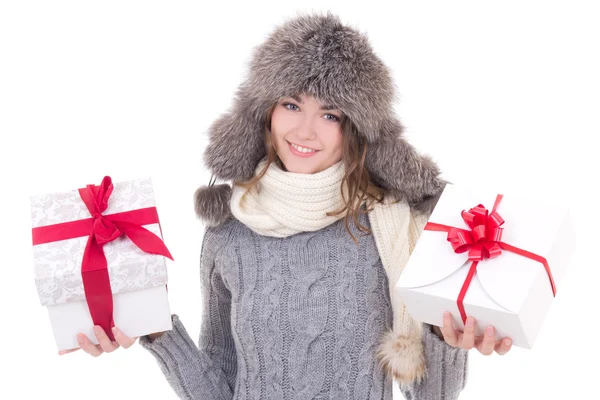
x=483 y=240
x=103 y=229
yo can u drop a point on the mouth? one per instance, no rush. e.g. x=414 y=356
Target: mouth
x=299 y=153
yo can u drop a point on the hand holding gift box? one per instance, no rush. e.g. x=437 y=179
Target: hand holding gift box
x=99 y=260
x=501 y=265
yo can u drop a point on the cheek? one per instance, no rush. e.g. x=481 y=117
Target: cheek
x=280 y=121
x=276 y=128
x=333 y=140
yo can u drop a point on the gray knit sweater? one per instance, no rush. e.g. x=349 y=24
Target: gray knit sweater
x=294 y=318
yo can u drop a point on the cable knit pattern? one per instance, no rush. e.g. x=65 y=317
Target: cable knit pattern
x=294 y=318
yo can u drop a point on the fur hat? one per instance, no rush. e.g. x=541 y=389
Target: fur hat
x=317 y=55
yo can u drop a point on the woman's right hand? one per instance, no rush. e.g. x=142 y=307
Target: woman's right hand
x=105 y=345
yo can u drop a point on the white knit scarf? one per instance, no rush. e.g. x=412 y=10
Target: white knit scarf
x=284 y=203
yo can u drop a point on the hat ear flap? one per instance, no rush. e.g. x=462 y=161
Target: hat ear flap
x=236 y=140
x=395 y=165
x=235 y=146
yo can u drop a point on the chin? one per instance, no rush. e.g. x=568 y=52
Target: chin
x=299 y=166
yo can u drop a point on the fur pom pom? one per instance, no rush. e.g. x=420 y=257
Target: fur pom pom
x=403 y=357
x=212 y=204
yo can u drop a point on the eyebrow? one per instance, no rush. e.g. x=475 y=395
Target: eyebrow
x=326 y=107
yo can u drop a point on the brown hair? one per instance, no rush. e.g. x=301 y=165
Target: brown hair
x=357 y=179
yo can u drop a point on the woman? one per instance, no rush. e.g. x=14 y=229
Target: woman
x=300 y=257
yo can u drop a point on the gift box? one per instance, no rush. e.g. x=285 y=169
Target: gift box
x=99 y=259
x=498 y=257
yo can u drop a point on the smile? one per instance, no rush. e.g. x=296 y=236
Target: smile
x=302 y=151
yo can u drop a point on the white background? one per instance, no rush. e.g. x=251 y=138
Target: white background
x=500 y=92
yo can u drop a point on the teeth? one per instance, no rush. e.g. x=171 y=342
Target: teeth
x=302 y=149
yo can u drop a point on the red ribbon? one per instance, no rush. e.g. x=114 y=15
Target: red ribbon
x=103 y=229
x=483 y=240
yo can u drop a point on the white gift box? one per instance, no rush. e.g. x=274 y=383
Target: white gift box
x=511 y=292
x=138 y=279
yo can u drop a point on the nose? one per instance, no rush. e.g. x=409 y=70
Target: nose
x=306 y=129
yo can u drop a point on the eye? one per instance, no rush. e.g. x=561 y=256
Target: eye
x=289 y=104
x=335 y=118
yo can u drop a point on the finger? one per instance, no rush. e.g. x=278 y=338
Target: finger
x=123 y=340
x=467 y=341
x=104 y=341
x=503 y=346
x=60 y=353
x=448 y=331
x=487 y=344
x=87 y=346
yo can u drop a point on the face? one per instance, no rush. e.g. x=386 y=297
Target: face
x=303 y=121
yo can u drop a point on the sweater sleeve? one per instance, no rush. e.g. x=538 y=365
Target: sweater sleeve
x=209 y=370
x=446 y=370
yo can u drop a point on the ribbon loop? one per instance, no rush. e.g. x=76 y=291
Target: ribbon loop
x=496 y=219
x=475 y=254
x=479 y=210
x=478 y=233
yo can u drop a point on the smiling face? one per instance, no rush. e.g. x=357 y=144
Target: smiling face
x=315 y=128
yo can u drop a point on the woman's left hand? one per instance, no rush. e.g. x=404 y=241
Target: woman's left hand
x=486 y=345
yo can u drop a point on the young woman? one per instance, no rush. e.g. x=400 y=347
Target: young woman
x=300 y=256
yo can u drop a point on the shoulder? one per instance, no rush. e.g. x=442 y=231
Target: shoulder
x=222 y=235
x=217 y=237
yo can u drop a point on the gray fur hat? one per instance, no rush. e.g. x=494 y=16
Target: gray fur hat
x=317 y=55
